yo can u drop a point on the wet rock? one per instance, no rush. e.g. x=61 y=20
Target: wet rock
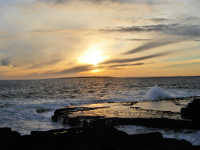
x=113 y=110
x=192 y=110
x=112 y=114
x=60 y=114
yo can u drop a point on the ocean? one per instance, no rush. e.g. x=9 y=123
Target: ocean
x=27 y=105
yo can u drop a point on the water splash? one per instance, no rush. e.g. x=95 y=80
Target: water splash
x=157 y=93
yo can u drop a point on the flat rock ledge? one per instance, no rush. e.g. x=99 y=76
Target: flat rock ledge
x=90 y=138
x=155 y=114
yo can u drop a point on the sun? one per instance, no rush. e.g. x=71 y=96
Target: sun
x=92 y=56
x=96 y=71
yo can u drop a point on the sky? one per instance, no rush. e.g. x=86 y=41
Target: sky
x=119 y=38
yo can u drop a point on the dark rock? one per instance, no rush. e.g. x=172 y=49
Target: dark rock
x=9 y=138
x=7 y=132
x=163 y=123
x=50 y=132
x=98 y=137
x=192 y=110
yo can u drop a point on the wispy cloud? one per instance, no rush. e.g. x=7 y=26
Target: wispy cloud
x=150 y=45
x=173 y=33
x=189 y=31
x=126 y=65
x=147 y=28
x=135 y=59
x=134 y=39
x=76 y=69
x=159 y=20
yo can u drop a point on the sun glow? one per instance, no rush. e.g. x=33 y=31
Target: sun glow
x=92 y=56
x=96 y=71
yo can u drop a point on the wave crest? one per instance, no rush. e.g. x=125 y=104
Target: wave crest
x=157 y=93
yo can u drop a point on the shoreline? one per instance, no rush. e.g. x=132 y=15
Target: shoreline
x=99 y=137
x=101 y=119
x=164 y=115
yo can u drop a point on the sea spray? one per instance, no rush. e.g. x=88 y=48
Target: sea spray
x=157 y=93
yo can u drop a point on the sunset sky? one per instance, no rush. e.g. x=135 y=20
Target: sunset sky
x=120 y=38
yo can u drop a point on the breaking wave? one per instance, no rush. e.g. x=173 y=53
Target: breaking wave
x=157 y=93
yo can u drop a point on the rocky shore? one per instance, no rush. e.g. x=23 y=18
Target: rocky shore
x=93 y=127
x=99 y=137
x=156 y=114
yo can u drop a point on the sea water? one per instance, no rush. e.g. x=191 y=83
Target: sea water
x=27 y=105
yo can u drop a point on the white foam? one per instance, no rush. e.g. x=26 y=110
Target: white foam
x=157 y=93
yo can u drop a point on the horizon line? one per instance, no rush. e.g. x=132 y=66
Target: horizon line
x=181 y=76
